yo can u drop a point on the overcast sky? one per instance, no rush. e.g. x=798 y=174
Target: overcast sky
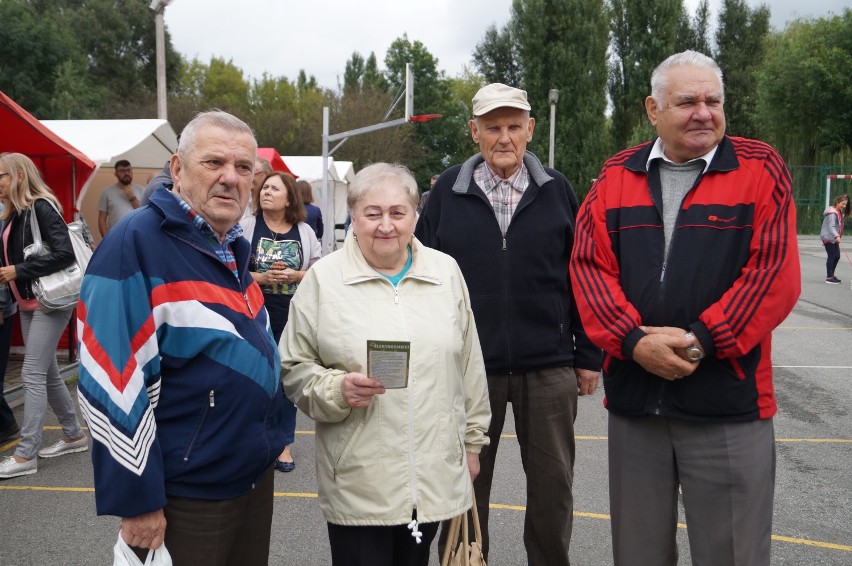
x=283 y=36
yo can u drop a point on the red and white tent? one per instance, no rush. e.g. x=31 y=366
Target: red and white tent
x=66 y=169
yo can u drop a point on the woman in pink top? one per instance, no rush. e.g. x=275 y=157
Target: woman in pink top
x=26 y=199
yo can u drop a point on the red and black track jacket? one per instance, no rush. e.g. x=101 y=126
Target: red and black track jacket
x=731 y=276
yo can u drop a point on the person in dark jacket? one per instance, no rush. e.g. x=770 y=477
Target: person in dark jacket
x=509 y=223
x=179 y=373
x=685 y=261
x=314 y=219
x=26 y=199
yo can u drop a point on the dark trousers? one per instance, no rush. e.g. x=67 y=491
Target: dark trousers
x=726 y=472
x=380 y=546
x=278 y=320
x=833 y=251
x=7 y=419
x=544 y=404
x=230 y=532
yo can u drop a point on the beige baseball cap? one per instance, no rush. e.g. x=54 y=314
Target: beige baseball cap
x=497 y=95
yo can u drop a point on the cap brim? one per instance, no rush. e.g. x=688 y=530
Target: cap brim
x=501 y=104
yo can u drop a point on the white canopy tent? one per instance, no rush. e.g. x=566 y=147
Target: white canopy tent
x=340 y=174
x=146 y=144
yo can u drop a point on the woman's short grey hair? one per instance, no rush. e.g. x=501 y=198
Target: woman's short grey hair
x=382 y=175
x=211 y=118
x=689 y=58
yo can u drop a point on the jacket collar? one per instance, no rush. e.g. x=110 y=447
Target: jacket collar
x=724 y=160
x=356 y=269
x=536 y=170
x=177 y=223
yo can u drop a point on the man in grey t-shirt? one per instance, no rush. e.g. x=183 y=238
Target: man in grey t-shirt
x=119 y=199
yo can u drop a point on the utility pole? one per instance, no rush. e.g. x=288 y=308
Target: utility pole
x=159 y=7
x=553 y=97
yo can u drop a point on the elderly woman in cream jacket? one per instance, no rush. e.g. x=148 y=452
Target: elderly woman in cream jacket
x=391 y=462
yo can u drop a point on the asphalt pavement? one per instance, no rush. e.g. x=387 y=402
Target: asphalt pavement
x=49 y=517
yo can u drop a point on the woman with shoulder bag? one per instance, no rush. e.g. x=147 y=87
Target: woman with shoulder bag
x=26 y=198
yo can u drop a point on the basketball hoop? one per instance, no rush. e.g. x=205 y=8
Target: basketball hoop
x=424 y=117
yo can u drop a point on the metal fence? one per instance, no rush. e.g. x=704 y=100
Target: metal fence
x=809 y=193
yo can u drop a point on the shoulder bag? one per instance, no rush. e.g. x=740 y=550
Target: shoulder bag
x=460 y=549
x=59 y=290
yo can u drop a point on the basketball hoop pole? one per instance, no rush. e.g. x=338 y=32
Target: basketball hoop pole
x=327 y=201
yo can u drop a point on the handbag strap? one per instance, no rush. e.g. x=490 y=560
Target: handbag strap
x=458 y=529
x=452 y=540
x=465 y=542
x=34 y=227
x=477 y=530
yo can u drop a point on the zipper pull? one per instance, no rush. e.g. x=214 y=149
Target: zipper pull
x=663 y=272
x=412 y=526
x=212 y=399
x=248 y=306
x=504 y=244
x=396 y=295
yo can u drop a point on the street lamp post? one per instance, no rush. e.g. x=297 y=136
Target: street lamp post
x=553 y=97
x=159 y=7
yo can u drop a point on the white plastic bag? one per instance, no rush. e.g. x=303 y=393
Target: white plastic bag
x=123 y=555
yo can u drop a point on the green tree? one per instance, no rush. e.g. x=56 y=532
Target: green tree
x=439 y=139
x=74 y=95
x=739 y=41
x=462 y=90
x=373 y=77
x=695 y=30
x=225 y=88
x=272 y=114
x=81 y=58
x=562 y=45
x=643 y=35
x=361 y=75
x=496 y=56
x=310 y=100
x=804 y=94
x=353 y=73
x=33 y=49
x=121 y=50
x=366 y=101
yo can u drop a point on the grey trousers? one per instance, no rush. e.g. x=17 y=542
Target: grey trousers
x=544 y=404
x=726 y=472
x=41 y=380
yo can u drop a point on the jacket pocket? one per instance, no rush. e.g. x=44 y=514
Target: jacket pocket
x=347 y=446
x=209 y=404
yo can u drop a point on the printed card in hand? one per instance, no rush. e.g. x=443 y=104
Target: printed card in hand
x=388 y=362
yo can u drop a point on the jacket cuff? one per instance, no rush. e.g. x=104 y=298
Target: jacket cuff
x=588 y=358
x=702 y=334
x=630 y=341
x=336 y=393
x=473 y=448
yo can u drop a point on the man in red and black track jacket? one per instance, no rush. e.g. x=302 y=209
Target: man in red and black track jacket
x=685 y=260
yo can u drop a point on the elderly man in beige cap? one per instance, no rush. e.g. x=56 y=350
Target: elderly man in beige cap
x=509 y=223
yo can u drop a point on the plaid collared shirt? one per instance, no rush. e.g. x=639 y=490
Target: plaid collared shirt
x=223 y=250
x=504 y=194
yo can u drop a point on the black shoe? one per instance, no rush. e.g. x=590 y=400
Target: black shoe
x=832 y=280
x=10 y=433
x=285 y=466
